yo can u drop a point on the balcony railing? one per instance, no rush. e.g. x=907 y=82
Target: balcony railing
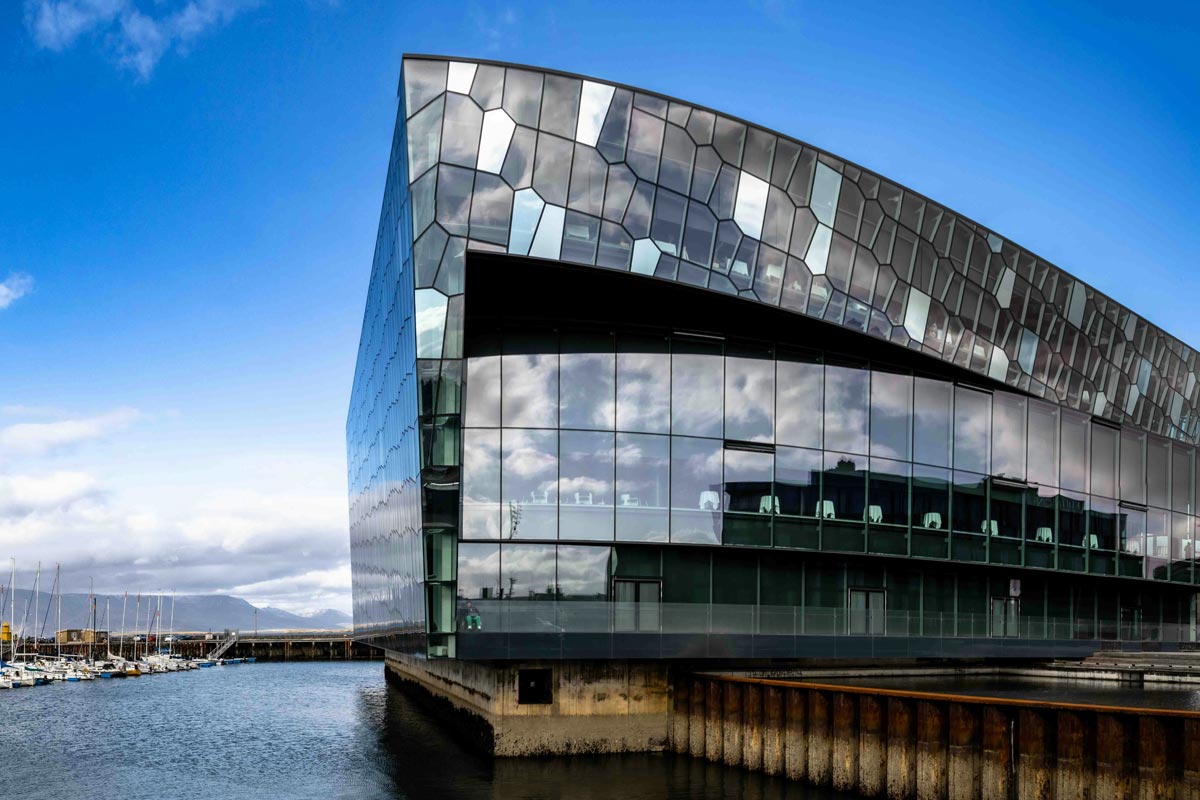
x=689 y=619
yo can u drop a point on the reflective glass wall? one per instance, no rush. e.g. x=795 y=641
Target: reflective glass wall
x=382 y=448
x=602 y=437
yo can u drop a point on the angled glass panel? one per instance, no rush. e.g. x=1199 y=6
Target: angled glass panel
x=749 y=393
x=462 y=75
x=523 y=96
x=616 y=247
x=423 y=201
x=637 y=214
x=729 y=238
x=932 y=422
x=547 y=242
x=518 y=163
x=454 y=199
x=677 y=156
x=697 y=377
x=460 y=133
x=827 y=185
x=847 y=389
x=479 y=571
x=481 y=484
x=581 y=235
x=729 y=137
x=616 y=126
x=483 y=392
x=1104 y=460
x=698 y=236
x=618 y=191
x=704 y=175
x=1133 y=466
x=593 y=108
x=1074 y=444
x=560 y=105
x=527 y=211
x=972 y=430
x=800 y=400
x=431 y=322
x=488 y=87
x=528 y=480
x=586 y=485
x=759 y=154
x=423 y=80
x=748 y=482
x=527 y=572
x=667 y=226
x=844 y=487
x=530 y=370
x=1043 y=443
x=817 y=255
x=891 y=414
x=1182 y=482
x=583 y=572
x=497 y=132
x=695 y=490
x=751 y=205
x=552 y=168
x=798 y=481
x=777 y=222
x=424 y=138
x=1008 y=435
x=643 y=487
x=587 y=394
x=645 y=145
x=588 y=173
x=643 y=384
x=491 y=209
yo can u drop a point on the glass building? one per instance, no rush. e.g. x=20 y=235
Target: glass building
x=640 y=379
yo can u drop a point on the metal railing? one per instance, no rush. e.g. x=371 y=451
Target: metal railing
x=605 y=617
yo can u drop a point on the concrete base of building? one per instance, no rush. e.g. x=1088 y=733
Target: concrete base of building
x=575 y=707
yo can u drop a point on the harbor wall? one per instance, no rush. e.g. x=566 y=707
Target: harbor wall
x=923 y=746
x=565 y=707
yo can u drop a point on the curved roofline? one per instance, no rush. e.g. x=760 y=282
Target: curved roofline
x=801 y=142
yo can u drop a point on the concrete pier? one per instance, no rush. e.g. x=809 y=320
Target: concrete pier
x=558 y=707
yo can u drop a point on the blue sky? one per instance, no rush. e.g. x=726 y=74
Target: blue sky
x=189 y=192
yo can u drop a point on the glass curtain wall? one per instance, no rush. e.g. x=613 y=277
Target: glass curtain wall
x=635 y=438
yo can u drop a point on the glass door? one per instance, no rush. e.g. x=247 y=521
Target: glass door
x=636 y=606
x=866 y=613
x=1006 y=617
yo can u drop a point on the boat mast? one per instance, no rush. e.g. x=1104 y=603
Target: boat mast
x=92 y=600
x=12 y=598
x=171 y=651
x=37 y=588
x=121 y=642
x=137 y=615
x=58 y=620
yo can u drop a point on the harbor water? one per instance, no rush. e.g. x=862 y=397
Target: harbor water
x=303 y=730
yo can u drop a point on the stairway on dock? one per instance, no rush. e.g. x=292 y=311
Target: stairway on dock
x=223 y=647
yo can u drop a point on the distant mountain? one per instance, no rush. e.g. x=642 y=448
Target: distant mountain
x=193 y=613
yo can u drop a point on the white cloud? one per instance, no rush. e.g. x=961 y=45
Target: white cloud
x=21 y=495
x=43 y=437
x=13 y=288
x=138 y=32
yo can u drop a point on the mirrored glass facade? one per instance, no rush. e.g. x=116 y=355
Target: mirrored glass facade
x=1050 y=431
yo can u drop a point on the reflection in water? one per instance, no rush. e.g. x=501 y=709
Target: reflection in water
x=426 y=761
x=301 y=731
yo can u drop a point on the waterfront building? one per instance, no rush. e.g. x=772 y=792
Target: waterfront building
x=641 y=380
